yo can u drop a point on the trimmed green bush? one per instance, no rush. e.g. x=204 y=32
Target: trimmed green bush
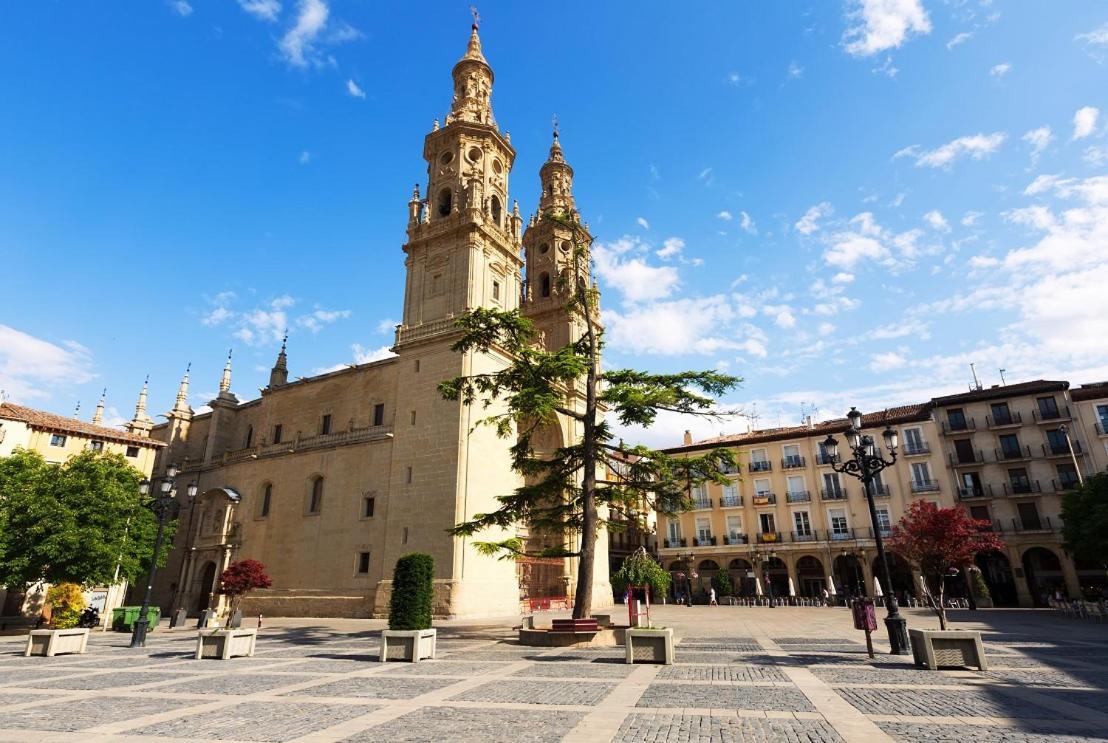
x=412 y=592
x=721 y=581
x=640 y=569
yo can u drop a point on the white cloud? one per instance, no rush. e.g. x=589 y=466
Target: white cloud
x=883 y=362
x=641 y=222
x=629 y=274
x=970 y=218
x=305 y=157
x=879 y=25
x=906 y=328
x=960 y=38
x=264 y=10
x=1084 y=122
x=936 y=221
x=1000 y=70
x=1096 y=156
x=387 y=325
x=809 y=223
x=983 y=261
x=977 y=146
x=795 y=71
x=702 y=325
x=782 y=315
x=31 y=367
x=319 y=318
x=1044 y=183
x=747 y=223
x=842 y=278
x=850 y=247
x=181 y=8
x=364 y=355
x=725 y=215
x=671 y=248
x=1096 y=41
x=825 y=328
x=217 y=316
x=297 y=45
x=353 y=89
x=1039 y=139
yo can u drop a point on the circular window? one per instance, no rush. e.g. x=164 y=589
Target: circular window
x=497 y=167
x=544 y=248
x=565 y=246
x=474 y=154
x=447 y=158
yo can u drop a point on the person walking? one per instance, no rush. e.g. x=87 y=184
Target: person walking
x=712 y=598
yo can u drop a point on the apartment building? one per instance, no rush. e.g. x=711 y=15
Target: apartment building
x=787 y=522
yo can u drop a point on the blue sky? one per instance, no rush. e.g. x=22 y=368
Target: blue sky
x=842 y=202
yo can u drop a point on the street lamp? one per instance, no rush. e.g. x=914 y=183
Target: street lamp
x=864 y=463
x=771 y=555
x=165 y=508
x=1069 y=443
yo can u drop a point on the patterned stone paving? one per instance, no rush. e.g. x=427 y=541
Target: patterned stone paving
x=798 y=675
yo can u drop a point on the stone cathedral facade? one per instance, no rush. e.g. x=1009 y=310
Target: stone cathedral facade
x=329 y=479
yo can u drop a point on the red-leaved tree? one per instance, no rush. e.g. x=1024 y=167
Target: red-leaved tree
x=242 y=577
x=939 y=540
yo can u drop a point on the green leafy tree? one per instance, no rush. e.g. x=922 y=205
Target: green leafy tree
x=564 y=494
x=721 y=581
x=1085 y=520
x=640 y=569
x=410 y=605
x=79 y=522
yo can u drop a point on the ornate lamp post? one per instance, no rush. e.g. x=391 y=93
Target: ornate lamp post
x=864 y=463
x=165 y=508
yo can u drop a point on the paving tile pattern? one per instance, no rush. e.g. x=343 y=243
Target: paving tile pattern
x=375 y=688
x=468 y=724
x=763 y=698
x=74 y=715
x=942 y=702
x=682 y=672
x=653 y=728
x=237 y=683
x=538 y=692
x=912 y=732
x=256 y=721
x=576 y=670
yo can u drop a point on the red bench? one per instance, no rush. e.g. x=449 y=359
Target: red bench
x=575 y=625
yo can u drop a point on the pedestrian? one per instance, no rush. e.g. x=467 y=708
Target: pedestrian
x=712 y=598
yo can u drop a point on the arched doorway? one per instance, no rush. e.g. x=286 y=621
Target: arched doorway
x=776 y=573
x=901 y=574
x=707 y=570
x=997 y=574
x=205 y=586
x=849 y=578
x=742 y=577
x=810 y=577
x=1044 y=574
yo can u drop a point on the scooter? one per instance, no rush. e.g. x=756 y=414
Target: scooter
x=90 y=617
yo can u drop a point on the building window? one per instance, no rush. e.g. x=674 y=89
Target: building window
x=544 y=285
x=413 y=417
x=921 y=473
x=494 y=203
x=249 y=438
x=325 y=424
x=734 y=527
x=267 y=496
x=1010 y=446
x=379 y=414
x=761 y=488
x=408 y=476
x=1048 y=408
x=1002 y=416
x=363 y=563
x=803 y=523
x=883 y=522
x=446 y=197
x=839 y=529
x=769 y=524
x=368 y=502
x=1102 y=414
x=277 y=434
x=97 y=446
x=417 y=366
x=132 y=451
x=673 y=531
x=496 y=291
x=956 y=417
x=913 y=441
x=315 y=503
x=57 y=439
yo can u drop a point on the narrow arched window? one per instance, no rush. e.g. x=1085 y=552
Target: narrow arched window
x=446 y=199
x=315 y=503
x=544 y=282
x=267 y=498
x=248 y=441
x=495 y=210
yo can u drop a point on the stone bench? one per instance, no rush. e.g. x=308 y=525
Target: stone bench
x=51 y=642
x=575 y=625
x=223 y=644
x=935 y=649
x=649 y=645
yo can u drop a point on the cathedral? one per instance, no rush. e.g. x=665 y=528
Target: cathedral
x=328 y=480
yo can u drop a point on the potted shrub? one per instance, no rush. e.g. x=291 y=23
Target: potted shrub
x=938 y=541
x=239 y=579
x=66 y=601
x=410 y=636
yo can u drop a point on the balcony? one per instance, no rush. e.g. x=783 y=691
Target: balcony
x=1060 y=449
x=953 y=427
x=701 y=504
x=798 y=496
x=1022 y=488
x=918 y=449
x=967 y=459
x=1101 y=427
x=792 y=463
x=1051 y=416
x=674 y=543
x=1064 y=484
x=924 y=486
x=1013 y=454
x=804 y=536
x=760 y=466
x=736 y=539
x=879 y=491
x=731 y=501
x=832 y=494
x=1004 y=421
x=1032 y=525
x=764 y=499
x=840 y=535
x=769 y=537
x=729 y=469
x=982 y=491
x=705 y=541
x=824 y=459
x=886 y=532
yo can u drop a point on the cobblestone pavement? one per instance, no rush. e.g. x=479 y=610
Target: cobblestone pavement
x=742 y=674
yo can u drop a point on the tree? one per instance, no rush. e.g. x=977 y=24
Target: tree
x=563 y=495
x=410 y=605
x=66 y=602
x=938 y=541
x=242 y=577
x=640 y=569
x=82 y=522
x=1085 y=520
x=721 y=581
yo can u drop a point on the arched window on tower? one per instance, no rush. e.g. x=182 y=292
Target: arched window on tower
x=315 y=498
x=446 y=199
x=248 y=440
x=494 y=208
x=544 y=284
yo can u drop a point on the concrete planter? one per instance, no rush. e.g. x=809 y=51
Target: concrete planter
x=649 y=645
x=934 y=649
x=51 y=642
x=226 y=643
x=407 y=645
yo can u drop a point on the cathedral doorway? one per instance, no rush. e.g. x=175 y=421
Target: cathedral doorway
x=205 y=586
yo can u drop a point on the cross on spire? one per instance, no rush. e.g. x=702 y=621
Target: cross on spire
x=554 y=121
x=476 y=16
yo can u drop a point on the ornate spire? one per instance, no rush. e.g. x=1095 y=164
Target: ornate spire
x=279 y=374
x=98 y=415
x=225 y=380
x=181 y=406
x=473 y=49
x=472 y=84
x=141 y=423
x=557 y=180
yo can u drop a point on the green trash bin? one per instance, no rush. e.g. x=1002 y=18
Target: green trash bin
x=124 y=618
